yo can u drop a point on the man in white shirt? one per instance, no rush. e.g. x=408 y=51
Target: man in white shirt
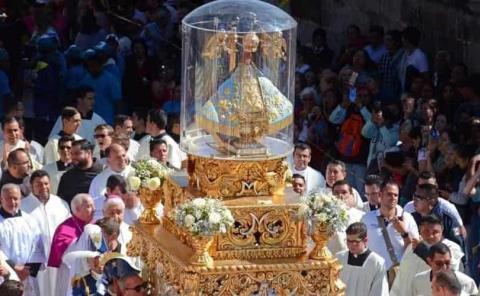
x=363 y=271
x=400 y=226
x=123 y=124
x=302 y=154
x=20 y=239
x=85 y=102
x=415 y=258
x=439 y=259
x=48 y=211
x=11 y=138
x=71 y=120
x=156 y=128
x=56 y=169
x=343 y=191
x=117 y=163
x=337 y=171
x=103 y=140
x=413 y=59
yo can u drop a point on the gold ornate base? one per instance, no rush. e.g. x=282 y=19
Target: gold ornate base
x=232 y=178
x=167 y=261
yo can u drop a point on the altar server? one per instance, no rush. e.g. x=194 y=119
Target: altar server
x=363 y=271
x=20 y=239
x=56 y=169
x=66 y=234
x=415 y=258
x=48 y=211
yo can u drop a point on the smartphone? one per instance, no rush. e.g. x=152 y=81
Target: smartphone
x=352 y=95
x=353 y=79
x=422 y=154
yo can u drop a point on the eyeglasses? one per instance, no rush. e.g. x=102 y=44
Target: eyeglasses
x=99 y=136
x=354 y=241
x=23 y=163
x=65 y=147
x=139 y=288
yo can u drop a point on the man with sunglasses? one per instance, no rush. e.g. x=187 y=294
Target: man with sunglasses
x=56 y=169
x=363 y=271
x=439 y=259
x=133 y=285
x=425 y=201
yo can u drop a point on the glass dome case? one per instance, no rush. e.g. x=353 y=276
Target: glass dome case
x=238 y=70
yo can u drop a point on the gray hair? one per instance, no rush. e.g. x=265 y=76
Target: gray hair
x=10 y=187
x=78 y=200
x=113 y=201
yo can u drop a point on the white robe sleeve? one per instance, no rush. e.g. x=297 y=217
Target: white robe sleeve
x=380 y=284
x=51 y=151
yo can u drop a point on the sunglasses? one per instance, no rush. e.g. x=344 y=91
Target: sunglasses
x=139 y=288
x=99 y=136
x=419 y=197
x=65 y=147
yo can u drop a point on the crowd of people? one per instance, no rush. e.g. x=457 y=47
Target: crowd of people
x=86 y=89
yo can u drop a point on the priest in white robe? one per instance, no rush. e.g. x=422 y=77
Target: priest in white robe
x=302 y=154
x=12 y=140
x=20 y=239
x=71 y=120
x=49 y=211
x=156 y=128
x=117 y=162
x=343 y=191
x=363 y=271
x=115 y=208
x=439 y=259
x=414 y=260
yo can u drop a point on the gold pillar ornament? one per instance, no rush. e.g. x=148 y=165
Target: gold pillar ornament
x=201 y=244
x=320 y=236
x=150 y=200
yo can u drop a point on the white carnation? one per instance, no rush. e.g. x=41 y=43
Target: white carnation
x=198 y=202
x=134 y=183
x=214 y=218
x=188 y=220
x=154 y=183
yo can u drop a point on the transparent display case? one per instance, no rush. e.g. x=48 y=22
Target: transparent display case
x=238 y=69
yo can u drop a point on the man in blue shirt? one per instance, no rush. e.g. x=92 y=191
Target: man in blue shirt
x=108 y=93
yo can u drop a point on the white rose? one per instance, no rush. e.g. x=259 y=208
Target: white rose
x=134 y=183
x=214 y=218
x=188 y=220
x=153 y=183
x=322 y=217
x=198 y=202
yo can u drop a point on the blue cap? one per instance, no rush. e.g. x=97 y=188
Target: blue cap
x=89 y=54
x=46 y=43
x=119 y=266
x=74 y=52
x=4 y=56
x=103 y=48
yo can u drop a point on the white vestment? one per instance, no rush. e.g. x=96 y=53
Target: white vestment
x=411 y=265
x=48 y=217
x=55 y=176
x=175 y=155
x=368 y=279
x=86 y=130
x=421 y=284
x=51 y=148
x=21 y=242
x=99 y=183
x=338 y=242
x=314 y=179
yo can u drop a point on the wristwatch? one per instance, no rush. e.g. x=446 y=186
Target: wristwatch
x=404 y=235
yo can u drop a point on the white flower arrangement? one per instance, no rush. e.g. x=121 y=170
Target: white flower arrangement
x=147 y=174
x=203 y=216
x=324 y=208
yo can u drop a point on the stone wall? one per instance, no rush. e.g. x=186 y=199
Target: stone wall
x=447 y=24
